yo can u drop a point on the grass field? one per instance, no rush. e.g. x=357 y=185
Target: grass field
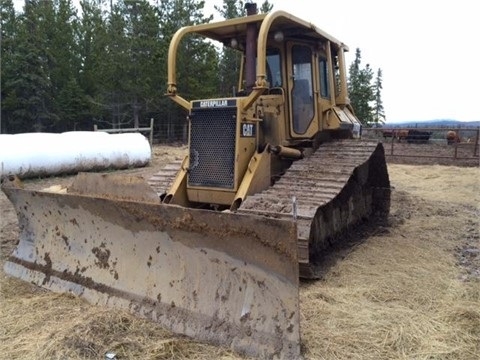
x=410 y=290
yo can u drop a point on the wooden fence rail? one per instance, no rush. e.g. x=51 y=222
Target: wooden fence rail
x=130 y=130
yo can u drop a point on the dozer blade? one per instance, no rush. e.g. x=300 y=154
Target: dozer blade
x=222 y=278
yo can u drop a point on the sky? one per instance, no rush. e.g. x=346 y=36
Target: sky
x=428 y=50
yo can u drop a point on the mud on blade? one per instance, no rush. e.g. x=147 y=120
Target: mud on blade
x=217 y=277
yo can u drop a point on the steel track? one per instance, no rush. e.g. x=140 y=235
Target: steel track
x=342 y=183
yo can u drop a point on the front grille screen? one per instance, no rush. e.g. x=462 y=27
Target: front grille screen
x=212 y=147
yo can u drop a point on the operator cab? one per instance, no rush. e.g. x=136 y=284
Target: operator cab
x=307 y=76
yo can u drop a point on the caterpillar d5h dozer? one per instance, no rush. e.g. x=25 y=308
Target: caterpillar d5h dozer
x=214 y=246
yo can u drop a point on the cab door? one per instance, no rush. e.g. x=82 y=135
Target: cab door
x=302 y=92
x=324 y=82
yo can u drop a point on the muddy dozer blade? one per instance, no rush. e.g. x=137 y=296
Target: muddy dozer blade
x=222 y=278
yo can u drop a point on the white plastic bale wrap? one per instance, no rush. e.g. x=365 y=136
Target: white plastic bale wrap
x=39 y=154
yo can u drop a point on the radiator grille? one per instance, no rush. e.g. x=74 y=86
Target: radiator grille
x=212 y=147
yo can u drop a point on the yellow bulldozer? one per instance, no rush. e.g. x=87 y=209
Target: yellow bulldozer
x=214 y=246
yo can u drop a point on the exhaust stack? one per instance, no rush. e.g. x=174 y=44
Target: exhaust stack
x=251 y=48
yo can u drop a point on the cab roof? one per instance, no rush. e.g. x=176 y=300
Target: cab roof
x=291 y=26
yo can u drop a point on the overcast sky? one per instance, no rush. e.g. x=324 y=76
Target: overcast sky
x=428 y=50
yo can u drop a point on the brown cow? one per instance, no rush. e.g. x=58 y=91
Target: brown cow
x=401 y=134
x=452 y=137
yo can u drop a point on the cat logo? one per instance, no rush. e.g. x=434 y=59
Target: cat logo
x=248 y=130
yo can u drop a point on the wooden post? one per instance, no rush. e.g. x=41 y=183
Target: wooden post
x=151 y=133
x=393 y=137
x=477 y=140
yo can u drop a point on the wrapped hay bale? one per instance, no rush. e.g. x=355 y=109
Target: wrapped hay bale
x=45 y=154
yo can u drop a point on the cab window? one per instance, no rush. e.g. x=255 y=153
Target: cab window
x=324 y=84
x=274 y=69
x=302 y=91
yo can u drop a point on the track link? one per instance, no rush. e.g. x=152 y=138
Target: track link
x=161 y=181
x=340 y=184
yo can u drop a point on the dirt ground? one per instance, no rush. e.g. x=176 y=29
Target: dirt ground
x=409 y=290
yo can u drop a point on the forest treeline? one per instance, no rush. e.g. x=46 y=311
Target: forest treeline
x=67 y=68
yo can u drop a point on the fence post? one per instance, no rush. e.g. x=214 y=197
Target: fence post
x=151 y=133
x=477 y=140
x=393 y=137
x=95 y=127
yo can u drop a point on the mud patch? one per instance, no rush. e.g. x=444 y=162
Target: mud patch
x=468 y=253
x=102 y=256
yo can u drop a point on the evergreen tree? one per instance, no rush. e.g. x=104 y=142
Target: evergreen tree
x=64 y=63
x=8 y=41
x=28 y=95
x=230 y=60
x=142 y=33
x=115 y=68
x=42 y=68
x=362 y=91
x=92 y=44
x=379 y=113
x=197 y=61
x=63 y=71
x=266 y=7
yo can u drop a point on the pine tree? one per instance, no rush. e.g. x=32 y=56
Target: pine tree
x=379 y=115
x=197 y=60
x=65 y=70
x=362 y=92
x=230 y=59
x=8 y=40
x=28 y=95
x=92 y=44
x=266 y=7
x=142 y=31
x=68 y=98
x=231 y=9
x=43 y=67
x=115 y=68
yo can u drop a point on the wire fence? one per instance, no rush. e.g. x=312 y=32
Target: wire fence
x=442 y=145
x=414 y=144
x=148 y=130
x=159 y=132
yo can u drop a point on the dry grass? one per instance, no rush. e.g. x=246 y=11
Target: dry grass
x=398 y=295
x=402 y=303
x=40 y=325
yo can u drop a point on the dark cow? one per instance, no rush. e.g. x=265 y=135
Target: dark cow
x=387 y=133
x=418 y=136
x=395 y=133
